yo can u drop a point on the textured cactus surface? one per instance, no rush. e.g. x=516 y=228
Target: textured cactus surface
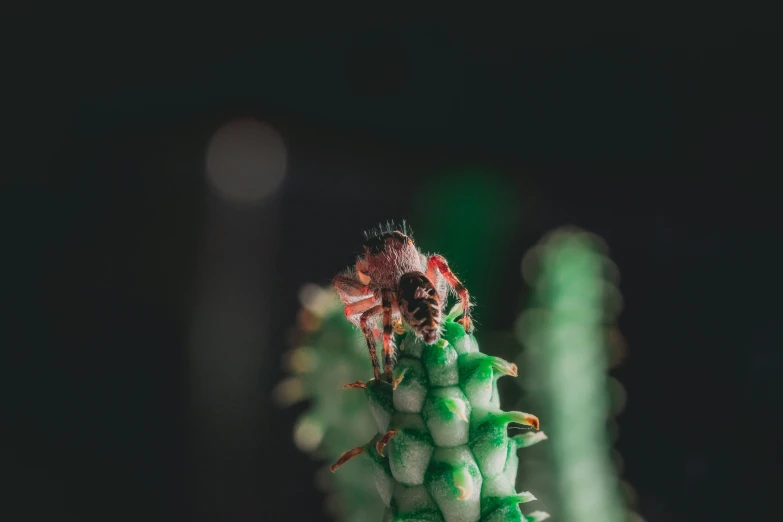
x=327 y=352
x=442 y=451
x=566 y=333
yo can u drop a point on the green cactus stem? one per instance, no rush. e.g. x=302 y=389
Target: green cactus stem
x=442 y=452
x=565 y=334
x=327 y=352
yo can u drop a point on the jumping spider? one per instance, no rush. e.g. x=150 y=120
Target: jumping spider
x=393 y=279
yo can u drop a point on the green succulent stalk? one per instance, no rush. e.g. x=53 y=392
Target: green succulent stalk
x=442 y=452
x=566 y=333
x=327 y=352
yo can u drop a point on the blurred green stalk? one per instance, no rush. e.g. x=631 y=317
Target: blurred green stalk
x=566 y=360
x=328 y=352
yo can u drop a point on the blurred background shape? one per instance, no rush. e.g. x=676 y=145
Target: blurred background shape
x=228 y=357
x=326 y=352
x=566 y=334
x=470 y=216
x=246 y=160
x=481 y=218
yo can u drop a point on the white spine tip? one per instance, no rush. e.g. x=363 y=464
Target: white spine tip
x=459 y=408
x=539 y=436
x=537 y=516
x=525 y=496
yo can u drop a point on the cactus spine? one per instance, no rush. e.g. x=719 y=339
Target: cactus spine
x=441 y=452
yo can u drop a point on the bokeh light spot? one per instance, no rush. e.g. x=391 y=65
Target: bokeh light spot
x=246 y=160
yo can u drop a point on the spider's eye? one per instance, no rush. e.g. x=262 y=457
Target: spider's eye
x=364 y=278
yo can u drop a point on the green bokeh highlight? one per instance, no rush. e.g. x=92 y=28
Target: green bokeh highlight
x=472 y=231
x=566 y=364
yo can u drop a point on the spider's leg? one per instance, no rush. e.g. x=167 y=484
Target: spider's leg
x=350 y=289
x=359 y=307
x=387 y=300
x=397 y=325
x=364 y=324
x=438 y=262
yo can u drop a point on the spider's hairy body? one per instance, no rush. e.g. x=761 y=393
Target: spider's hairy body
x=387 y=257
x=393 y=280
x=420 y=306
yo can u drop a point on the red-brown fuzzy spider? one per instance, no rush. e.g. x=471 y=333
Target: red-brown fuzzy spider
x=393 y=279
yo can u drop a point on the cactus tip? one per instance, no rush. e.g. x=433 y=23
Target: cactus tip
x=504 y=367
x=524 y=496
x=345 y=457
x=525 y=440
x=384 y=441
x=523 y=418
x=463 y=482
x=458 y=408
x=396 y=382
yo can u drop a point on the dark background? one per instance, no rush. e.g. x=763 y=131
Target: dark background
x=663 y=141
